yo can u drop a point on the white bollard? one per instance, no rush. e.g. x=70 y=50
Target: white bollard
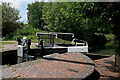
x=19 y=54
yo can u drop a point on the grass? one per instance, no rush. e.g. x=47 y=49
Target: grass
x=1 y=47
x=9 y=65
x=5 y=43
x=109 y=52
x=33 y=38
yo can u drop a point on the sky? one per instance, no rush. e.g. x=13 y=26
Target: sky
x=21 y=5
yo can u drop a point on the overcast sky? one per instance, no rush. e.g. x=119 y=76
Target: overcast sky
x=21 y=5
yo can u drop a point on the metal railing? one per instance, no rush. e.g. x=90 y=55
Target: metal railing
x=54 y=38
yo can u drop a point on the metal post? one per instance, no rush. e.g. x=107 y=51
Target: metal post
x=50 y=40
x=53 y=41
x=42 y=48
x=28 y=47
x=38 y=39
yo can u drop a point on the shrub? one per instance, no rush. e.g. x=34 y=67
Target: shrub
x=29 y=32
x=97 y=42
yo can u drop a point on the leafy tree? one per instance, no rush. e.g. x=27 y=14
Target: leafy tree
x=53 y=17
x=73 y=17
x=107 y=14
x=59 y=16
x=9 y=18
x=35 y=15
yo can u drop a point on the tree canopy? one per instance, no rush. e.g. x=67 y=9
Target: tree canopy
x=76 y=17
x=9 y=18
x=108 y=15
x=35 y=15
x=88 y=21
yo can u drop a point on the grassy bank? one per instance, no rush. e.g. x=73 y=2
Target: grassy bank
x=4 y=43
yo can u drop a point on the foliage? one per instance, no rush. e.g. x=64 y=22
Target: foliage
x=73 y=17
x=9 y=19
x=27 y=31
x=88 y=21
x=109 y=14
x=35 y=15
x=61 y=17
x=109 y=47
x=110 y=37
x=98 y=42
x=107 y=52
x=110 y=41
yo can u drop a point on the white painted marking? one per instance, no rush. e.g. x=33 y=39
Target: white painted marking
x=78 y=49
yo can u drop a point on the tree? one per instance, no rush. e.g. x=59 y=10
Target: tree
x=107 y=14
x=61 y=17
x=9 y=18
x=73 y=17
x=53 y=17
x=35 y=15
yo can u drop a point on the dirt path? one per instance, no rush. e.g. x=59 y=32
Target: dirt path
x=106 y=69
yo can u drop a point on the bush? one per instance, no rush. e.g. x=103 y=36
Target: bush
x=29 y=32
x=97 y=42
x=110 y=37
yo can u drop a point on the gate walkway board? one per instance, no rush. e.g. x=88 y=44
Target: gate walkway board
x=66 y=65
